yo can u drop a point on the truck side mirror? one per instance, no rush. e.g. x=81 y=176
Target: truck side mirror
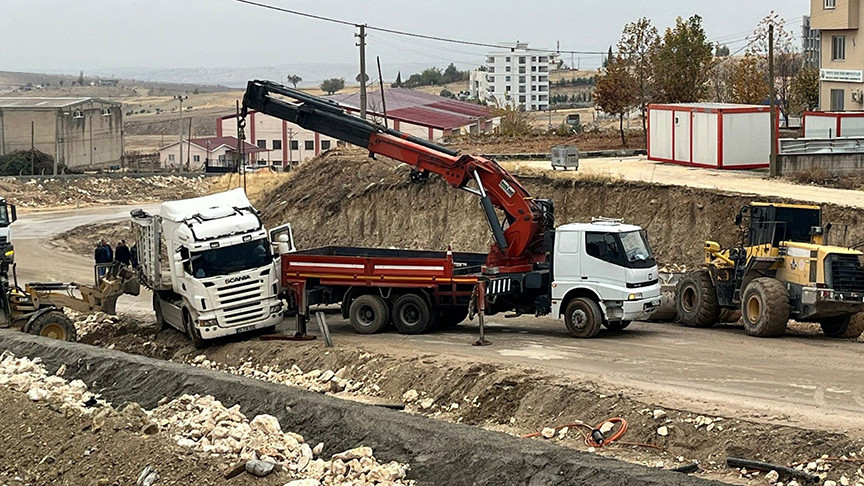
x=177 y=260
x=13 y=213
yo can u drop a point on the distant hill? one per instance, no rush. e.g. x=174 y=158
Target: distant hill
x=15 y=81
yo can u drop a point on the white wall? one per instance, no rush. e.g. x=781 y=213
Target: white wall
x=660 y=134
x=746 y=139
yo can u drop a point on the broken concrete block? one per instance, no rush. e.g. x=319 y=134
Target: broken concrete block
x=772 y=477
x=659 y=414
x=356 y=453
x=259 y=468
x=410 y=396
x=663 y=431
x=547 y=432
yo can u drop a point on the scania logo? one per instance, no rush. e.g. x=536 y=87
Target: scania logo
x=237 y=279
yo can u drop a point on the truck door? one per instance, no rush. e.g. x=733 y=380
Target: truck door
x=566 y=263
x=603 y=261
x=286 y=244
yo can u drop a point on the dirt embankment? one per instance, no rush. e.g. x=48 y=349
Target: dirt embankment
x=594 y=140
x=344 y=198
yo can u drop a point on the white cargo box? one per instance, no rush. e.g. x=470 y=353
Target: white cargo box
x=712 y=135
x=565 y=157
x=833 y=124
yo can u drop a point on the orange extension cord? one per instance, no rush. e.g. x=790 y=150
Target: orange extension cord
x=589 y=439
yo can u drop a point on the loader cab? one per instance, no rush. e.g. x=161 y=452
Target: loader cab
x=772 y=223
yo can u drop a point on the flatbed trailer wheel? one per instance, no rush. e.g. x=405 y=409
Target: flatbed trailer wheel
x=836 y=327
x=411 y=314
x=368 y=314
x=765 y=307
x=55 y=325
x=583 y=317
x=696 y=300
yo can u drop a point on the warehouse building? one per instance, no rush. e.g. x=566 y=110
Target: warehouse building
x=80 y=133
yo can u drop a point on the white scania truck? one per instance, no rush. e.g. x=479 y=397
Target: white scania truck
x=210 y=265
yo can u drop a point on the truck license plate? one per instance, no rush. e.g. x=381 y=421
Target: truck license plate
x=244 y=329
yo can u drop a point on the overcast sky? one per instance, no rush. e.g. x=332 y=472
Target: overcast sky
x=70 y=35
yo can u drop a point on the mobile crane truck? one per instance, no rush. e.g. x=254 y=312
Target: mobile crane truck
x=592 y=274
x=210 y=265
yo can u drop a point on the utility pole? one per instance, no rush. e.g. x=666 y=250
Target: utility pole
x=772 y=163
x=33 y=147
x=180 y=98
x=362 y=44
x=381 y=83
x=290 y=149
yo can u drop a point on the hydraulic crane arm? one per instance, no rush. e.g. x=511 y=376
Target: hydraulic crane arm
x=530 y=221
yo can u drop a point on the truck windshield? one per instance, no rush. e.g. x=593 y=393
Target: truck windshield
x=4 y=216
x=230 y=259
x=636 y=248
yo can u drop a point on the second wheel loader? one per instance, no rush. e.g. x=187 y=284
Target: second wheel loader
x=785 y=267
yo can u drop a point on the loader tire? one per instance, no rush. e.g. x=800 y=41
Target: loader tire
x=836 y=327
x=696 y=300
x=856 y=326
x=55 y=325
x=369 y=314
x=765 y=307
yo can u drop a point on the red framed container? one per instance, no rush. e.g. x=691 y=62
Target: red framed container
x=711 y=135
x=832 y=124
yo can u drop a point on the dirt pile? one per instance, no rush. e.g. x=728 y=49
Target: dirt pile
x=344 y=198
x=513 y=400
x=594 y=140
x=99 y=190
x=205 y=425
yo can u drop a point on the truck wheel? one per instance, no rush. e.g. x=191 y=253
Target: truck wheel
x=193 y=334
x=765 y=307
x=583 y=318
x=157 y=309
x=856 y=326
x=696 y=299
x=450 y=317
x=411 y=314
x=836 y=327
x=368 y=314
x=55 y=325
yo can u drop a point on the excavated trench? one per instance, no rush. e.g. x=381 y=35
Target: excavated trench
x=438 y=452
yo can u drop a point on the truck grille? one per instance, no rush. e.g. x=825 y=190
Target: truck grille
x=847 y=275
x=241 y=302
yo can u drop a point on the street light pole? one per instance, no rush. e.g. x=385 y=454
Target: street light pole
x=180 y=98
x=772 y=162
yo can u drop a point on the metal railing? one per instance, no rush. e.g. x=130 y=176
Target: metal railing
x=803 y=146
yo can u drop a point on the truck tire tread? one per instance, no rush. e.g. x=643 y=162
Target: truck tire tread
x=765 y=307
x=696 y=299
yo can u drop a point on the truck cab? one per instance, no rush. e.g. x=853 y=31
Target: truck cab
x=604 y=273
x=8 y=215
x=211 y=265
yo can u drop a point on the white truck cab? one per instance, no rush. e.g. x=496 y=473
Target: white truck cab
x=211 y=265
x=604 y=273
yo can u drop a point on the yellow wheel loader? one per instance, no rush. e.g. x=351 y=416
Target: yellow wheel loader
x=785 y=267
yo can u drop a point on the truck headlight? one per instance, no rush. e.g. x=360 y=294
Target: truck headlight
x=275 y=308
x=207 y=322
x=9 y=253
x=636 y=296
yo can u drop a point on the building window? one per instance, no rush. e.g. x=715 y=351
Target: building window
x=262 y=144
x=521 y=89
x=533 y=69
x=507 y=88
x=829 y=4
x=522 y=60
x=491 y=87
x=490 y=60
x=196 y=158
x=171 y=157
x=295 y=144
x=507 y=79
x=838 y=100
x=521 y=69
x=325 y=144
x=277 y=144
x=507 y=59
x=838 y=48
x=533 y=78
x=222 y=159
x=522 y=99
x=309 y=145
x=507 y=69
x=543 y=59
x=522 y=79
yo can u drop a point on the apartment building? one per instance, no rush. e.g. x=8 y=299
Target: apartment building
x=841 y=77
x=514 y=76
x=811 y=43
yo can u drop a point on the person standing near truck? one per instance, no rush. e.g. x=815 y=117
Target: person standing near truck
x=122 y=253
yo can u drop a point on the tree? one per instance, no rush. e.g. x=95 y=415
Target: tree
x=608 y=58
x=81 y=78
x=332 y=85
x=682 y=62
x=357 y=78
x=293 y=79
x=616 y=91
x=60 y=82
x=721 y=81
x=453 y=75
x=749 y=85
x=805 y=90
x=636 y=47
x=721 y=51
x=787 y=60
x=398 y=82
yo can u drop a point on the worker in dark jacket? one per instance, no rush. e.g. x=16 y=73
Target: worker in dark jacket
x=122 y=253
x=102 y=255
x=133 y=255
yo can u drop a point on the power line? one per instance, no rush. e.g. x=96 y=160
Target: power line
x=401 y=32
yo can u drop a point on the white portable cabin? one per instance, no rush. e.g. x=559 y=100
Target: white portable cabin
x=713 y=135
x=832 y=124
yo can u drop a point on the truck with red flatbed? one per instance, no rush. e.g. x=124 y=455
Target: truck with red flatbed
x=596 y=274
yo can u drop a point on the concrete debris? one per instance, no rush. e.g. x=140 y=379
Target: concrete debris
x=86 y=324
x=410 y=396
x=147 y=477
x=829 y=483
x=659 y=414
x=427 y=403
x=663 y=431
x=303 y=482
x=606 y=427
x=547 y=432
x=204 y=424
x=772 y=477
x=563 y=432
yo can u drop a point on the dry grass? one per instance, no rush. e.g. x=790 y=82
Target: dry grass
x=521 y=169
x=258 y=185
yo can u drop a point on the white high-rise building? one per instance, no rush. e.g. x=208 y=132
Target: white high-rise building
x=515 y=76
